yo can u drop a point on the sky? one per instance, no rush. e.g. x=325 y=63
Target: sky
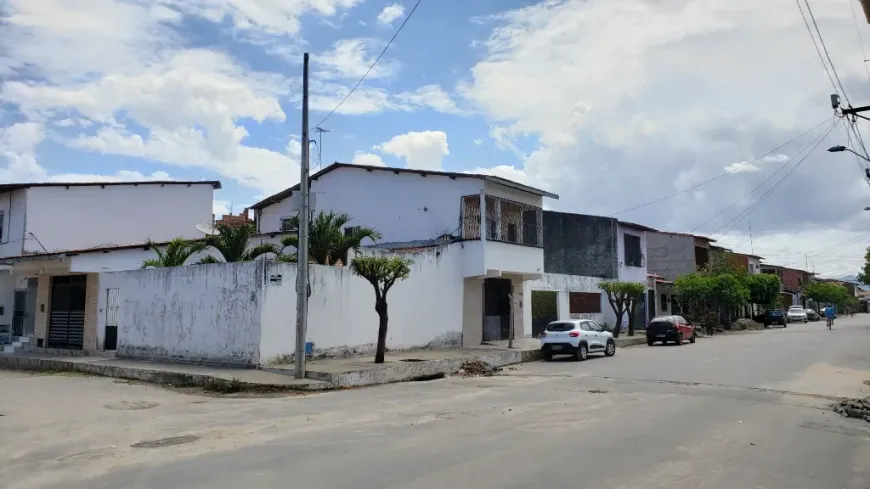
x=611 y=104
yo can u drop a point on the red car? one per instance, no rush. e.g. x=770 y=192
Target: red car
x=669 y=328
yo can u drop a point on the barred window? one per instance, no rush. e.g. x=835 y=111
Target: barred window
x=584 y=302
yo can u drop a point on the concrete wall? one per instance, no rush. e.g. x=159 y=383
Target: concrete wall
x=670 y=255
x=564 y=285
x=201 y=313
x=577 y=244
x=627 y=273
x=112 y=261
x=425 y=311
x=13 y=206
x=7 y=296
x=84 y=217
x=402 y=207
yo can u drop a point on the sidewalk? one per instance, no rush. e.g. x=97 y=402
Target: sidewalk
x=178 y=375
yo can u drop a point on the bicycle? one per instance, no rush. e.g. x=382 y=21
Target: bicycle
x=830 y=323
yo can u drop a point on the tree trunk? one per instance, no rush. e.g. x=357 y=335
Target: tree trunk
x=618 y=326
x=381 y=308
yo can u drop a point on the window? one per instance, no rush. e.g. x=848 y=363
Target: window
x=560 y=327
x=585 y=326
x=512 y=233
x=633 y=252
x=287 y=224
x=593 y=326
x=584 y=302
x=350 y=230
x=664 y=302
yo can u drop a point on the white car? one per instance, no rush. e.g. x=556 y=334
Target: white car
x=576 y=337
x=796 y=314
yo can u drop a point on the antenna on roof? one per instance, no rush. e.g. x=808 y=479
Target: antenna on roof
x=320 y=132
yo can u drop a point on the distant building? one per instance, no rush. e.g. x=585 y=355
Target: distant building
x=235 y=221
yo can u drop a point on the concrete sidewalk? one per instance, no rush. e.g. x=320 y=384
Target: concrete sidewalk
x=178 y=375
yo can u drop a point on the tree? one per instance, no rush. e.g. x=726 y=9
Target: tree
x=232 y=243
x=328 y=242
x=827 y=293
x=704 y=295
x=176 y=253
x=382 y=272
x=864 y=274
x=623 y=298
x=763 y=288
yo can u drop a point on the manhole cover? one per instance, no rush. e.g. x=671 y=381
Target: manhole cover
x=166 y=442
x=131 y=405
x=413 y=360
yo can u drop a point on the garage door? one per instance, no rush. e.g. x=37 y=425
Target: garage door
x=66 y=320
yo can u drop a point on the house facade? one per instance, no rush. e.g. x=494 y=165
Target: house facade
x=671 y=255
x=791 y=281
x=493 y=225
x=580 y=252
x=58 y=237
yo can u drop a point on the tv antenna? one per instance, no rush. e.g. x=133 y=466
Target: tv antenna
x=319 y=144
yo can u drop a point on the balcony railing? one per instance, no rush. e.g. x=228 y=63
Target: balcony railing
x=506 y=221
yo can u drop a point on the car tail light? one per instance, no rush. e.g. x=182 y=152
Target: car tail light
x=574 y=334
x=543 y=334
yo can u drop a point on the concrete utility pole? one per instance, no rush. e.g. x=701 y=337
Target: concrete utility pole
x=302 y=250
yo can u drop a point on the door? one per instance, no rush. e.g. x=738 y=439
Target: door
x=66 y=320
x=18 y=312
x=496 y=309
x=596 y=335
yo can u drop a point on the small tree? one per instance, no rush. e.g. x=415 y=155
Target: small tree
x=623 y=298
x=382 y=272
x=330 y=238
x=864 y=274
x=232 y=243
x=763 y=288
x=176 y=253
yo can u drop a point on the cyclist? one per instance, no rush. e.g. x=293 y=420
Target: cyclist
x=829 y=315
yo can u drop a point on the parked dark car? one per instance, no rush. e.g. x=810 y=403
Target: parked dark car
x=669 y=328
x=775 y=316
x=812 y=315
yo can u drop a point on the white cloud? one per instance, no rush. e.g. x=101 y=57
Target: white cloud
x=742 y=167
x=391 y=13
x=350 y=59
x=422 y=150
x=220 y=207
x=478 y=141
x=326 y=96
x=18 y=144
x=612 y=128
x=431 y=96
x=367 y=159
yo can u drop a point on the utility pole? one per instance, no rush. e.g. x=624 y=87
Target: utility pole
x=302 y=250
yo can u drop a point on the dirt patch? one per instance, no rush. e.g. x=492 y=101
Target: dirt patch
x=744 y=324
x=166 y=442
x=131 y=405
x=854 y=408
x=477 y=368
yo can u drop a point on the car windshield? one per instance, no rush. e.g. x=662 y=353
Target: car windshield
x=795 y=309
x=560 y=326
x=775 y=312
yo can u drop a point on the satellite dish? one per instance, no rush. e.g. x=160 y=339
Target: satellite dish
x=207 y=229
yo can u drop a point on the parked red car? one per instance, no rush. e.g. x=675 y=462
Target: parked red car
x=669 y=328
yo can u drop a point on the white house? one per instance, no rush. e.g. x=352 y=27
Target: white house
x=493 y=225
x=55 y=238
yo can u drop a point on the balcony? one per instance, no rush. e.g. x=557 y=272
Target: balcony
x=509 y=240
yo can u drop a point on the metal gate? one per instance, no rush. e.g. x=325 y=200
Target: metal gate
x=66 y=321
x=18 y=312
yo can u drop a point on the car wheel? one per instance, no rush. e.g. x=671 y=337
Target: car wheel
x=581 y=353
x=680 y=339
x=692 y=339
x=610 y=350
x=650 y=342
x=548 y=355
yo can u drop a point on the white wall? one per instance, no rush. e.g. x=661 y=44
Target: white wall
x=12 y=204
x=515 y=195
x=110 y=261
x=424 y=311
x=754 y=265
x=513 y=258
x=402 y=207
x=626 y=273
x=200 y=313
x=563 y=285
x=81 y=217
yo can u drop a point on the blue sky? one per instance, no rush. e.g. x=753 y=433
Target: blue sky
x=609 y=103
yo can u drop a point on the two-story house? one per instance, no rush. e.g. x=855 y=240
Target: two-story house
x=580 y=252
x=494 y=224
x=791 y=280
x=671 y=255
x=55 y=239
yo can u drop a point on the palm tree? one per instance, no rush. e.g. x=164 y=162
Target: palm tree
x=176 y=253
x=328 y=242
x=232 y=243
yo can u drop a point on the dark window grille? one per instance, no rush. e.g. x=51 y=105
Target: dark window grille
x=633 y=251
x=584 y=302
x=506 y=221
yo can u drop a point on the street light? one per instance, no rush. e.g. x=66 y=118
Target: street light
x=841 y=148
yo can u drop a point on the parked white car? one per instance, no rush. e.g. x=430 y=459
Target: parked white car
x=576 y=337
x=796 y=314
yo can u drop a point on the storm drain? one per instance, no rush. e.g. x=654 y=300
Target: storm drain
x=166 y=442
x=131 y=405
x=412 y=360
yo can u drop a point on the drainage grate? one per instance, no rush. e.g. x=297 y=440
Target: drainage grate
x=412 y=360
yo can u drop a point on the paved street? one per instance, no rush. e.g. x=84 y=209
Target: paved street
x=735 y=411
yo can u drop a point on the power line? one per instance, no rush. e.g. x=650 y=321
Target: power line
x=815 y=45
x=825 y=49
x=727 y=172
x=860 y=41
x=733 y=222
x=390 y=43
x=782 y=167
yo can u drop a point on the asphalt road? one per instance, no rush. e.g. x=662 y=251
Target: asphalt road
x=735 y=411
